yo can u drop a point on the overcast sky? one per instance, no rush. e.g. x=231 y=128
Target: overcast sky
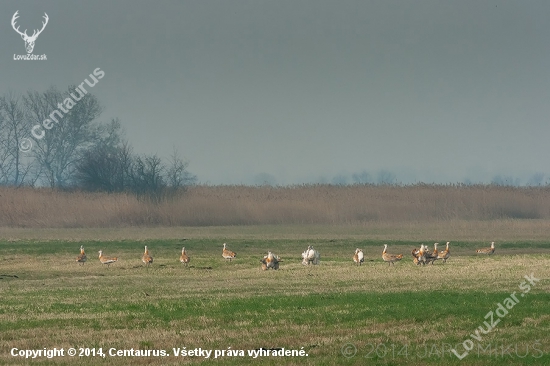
x=307 y=90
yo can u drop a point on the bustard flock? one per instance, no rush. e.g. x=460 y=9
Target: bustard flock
x=310 y=256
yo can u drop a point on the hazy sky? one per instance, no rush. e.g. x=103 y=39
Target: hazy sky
x=306 y=90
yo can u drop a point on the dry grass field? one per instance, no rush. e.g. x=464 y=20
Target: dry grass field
x=337 y=312
x=398 y=315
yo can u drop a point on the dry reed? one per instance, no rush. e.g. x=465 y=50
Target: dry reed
x=245 y=205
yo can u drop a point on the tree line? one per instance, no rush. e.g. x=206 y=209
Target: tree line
x=80 y=151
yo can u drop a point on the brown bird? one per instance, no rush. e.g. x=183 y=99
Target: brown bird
x=270 y=261
x=227 y=254
x=106 y=260
x=419 y=255
x=445 y=254
x=358 y=256
x=146 y=258
x=81 y=259
x=431 y=257
x=490 y=250
x=390 y=258
x=184 y=258
x=417 y=259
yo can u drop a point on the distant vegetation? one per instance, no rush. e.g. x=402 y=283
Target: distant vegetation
x=78 y=151
x=245 y=205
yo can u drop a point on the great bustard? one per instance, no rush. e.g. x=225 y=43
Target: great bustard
x=310 y=256
x=184 y=258
x=227 y=254
x=433 y=256
x=490 y=250
x=270 y=261
x=358 y=256
x=146 y=258
x=106 y=260
x=390 y=258
x=81 y=259
x=445 y=254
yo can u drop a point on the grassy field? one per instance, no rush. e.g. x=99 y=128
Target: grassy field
x=336 y=312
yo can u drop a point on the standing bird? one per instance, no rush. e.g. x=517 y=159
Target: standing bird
x=81 y=259
x=416 y=253
x=106 y=260
x=433 y=256
x=445 y=254
x=490 y=250
x=358 y=256
x=390 y=258
x=184 y=258
x=270 y=261
x=146 y=258
x=424 y=253
x=310 y=256
x=227 y=254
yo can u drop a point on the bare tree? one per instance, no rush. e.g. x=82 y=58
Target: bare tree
x=361 y=178
x=72 y=149
x=105 y=169
x=72 y=130
x=146 y=177
x=385 y=177
x=178 y=178
x=106 y=165
x=113 y=168
x=14 y=128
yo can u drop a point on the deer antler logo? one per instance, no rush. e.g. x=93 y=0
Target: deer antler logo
x=29 y=41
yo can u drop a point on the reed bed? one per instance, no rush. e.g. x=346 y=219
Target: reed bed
x=265 y=205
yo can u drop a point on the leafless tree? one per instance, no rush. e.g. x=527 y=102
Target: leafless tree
x=114 y=168
x=106 y=165
x=61 y=147
x=105 y=169
x=72 y=149
x=178 y=177
x=15 y=165
x=147 y=178
x=362 y=178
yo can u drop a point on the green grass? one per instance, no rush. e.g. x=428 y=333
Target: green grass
x=398 y=315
